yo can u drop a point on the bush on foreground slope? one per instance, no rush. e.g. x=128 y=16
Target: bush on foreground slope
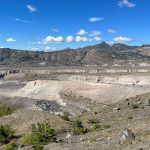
x=41 y=134
x=6 y=134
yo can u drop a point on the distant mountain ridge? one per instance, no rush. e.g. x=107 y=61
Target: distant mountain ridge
x=100 y=54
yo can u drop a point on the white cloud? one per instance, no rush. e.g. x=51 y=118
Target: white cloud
x=82 y=39
x=112 y=31
x=126 y=3
x=95 y=19
x=31 y=8
x=69 y=39
x=21 y=20
x=85 y=39
x=50 y=39
x=82 y=32
x=55 y=30
x=95 y=33
x=10 y=40
x=122 y=39
x=1 y=47
x=97 y=38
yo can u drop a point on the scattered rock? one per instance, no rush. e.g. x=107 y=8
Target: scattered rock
x=139 y=102
x=98 y=139
x=116 y=109
x=109 y=138
x=142 y=107
x=50 y=106
x=127 y=137
x=68 y=135
x=82 y=140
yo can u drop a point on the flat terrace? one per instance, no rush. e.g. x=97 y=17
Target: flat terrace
x=91 y=70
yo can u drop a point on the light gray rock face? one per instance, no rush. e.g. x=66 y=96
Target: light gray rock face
x=48 y=105
x=127 y=137
x=148 y=102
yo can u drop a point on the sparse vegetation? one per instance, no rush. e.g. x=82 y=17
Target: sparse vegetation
x=106 y=126
x=6 y=134
x=65 y=116
x=27 y=140
x=78 y=127
x=93 y=121
x=95 y=124
x=5 y=110
x=93 y=139
x=135 y=106
x=96 y=127
x=11 y=146
x=41 y=134
x=130 y=117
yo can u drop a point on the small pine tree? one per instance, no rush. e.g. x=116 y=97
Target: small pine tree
x=41 y=134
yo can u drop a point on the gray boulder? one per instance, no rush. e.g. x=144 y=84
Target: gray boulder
x=148 y=102
x=127 y=136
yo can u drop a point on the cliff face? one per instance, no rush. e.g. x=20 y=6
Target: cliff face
x=101 y=54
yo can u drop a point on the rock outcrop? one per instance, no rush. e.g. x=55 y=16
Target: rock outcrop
x=127 y=137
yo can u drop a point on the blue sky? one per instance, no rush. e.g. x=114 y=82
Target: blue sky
x=57 y=24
